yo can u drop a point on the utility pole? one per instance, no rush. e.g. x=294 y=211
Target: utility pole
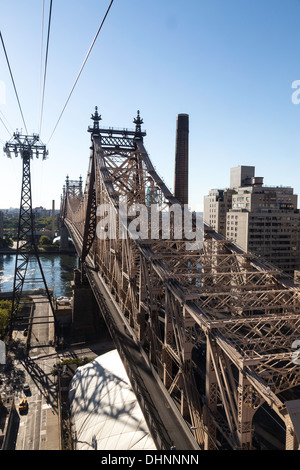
x=26 y=147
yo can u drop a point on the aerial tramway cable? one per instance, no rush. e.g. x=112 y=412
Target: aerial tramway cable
x=4 y=124
x=12 y=78
x=80 y=71
x=7 y=123
x=46 y=62
x=41 y=56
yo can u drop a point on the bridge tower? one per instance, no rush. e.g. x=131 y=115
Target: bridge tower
x=26 y=147
x=72 y=189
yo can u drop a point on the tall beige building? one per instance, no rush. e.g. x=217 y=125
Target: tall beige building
x=261 y=219
x=216 y=206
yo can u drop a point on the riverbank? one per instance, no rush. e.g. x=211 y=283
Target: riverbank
x=42 y=251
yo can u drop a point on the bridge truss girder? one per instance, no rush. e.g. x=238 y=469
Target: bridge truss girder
x=239 y=314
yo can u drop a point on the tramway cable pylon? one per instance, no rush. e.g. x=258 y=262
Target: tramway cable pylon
x=26 y=147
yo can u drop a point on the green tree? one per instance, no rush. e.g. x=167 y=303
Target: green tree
x=9 y=241
x=5 y=311
x=11 y=223
x=43 y=222
x=44 y=240
x=6 y=242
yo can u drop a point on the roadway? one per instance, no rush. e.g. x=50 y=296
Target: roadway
x=38 y=428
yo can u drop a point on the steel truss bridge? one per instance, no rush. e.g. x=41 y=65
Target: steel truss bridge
x=217 y=324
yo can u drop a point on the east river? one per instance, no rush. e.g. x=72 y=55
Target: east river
x=58 y=270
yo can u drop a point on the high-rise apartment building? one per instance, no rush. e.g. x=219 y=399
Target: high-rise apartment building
x=216 y=206
x=261 y=219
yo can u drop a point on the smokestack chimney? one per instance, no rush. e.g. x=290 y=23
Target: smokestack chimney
x=53 y=219
x=181 y=184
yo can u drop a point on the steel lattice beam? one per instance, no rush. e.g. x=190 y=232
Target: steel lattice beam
x=242 y=313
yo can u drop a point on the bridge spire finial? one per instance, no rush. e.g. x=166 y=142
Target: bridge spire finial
x=96 y=117
x=138 y=127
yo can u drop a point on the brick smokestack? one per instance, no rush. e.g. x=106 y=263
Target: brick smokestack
x=181 y=184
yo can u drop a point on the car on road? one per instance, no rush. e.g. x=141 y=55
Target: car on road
x=26 y=389
x=23 y=406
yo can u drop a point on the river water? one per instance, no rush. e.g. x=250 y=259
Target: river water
x=58 y=270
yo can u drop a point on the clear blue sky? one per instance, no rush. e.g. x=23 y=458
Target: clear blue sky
x=228 y=64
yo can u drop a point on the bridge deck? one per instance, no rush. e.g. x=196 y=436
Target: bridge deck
x=155 y=402
x=238 y=313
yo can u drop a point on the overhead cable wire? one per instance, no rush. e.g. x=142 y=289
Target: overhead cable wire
x=80 y=71
x=41 y=54
x=7 y=123
x=46 y=63
x=41 y=79
x=12 y=78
